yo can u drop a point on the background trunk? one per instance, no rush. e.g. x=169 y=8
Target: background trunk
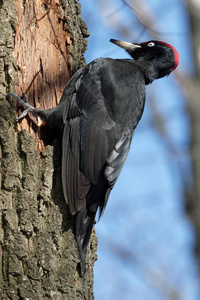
x=192 y=87
x=42 y=44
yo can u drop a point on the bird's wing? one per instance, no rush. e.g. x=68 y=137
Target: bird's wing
x=95 y=140
x=75 y=184
x=117 y=158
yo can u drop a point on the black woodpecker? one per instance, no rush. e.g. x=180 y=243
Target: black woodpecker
x=97 y=116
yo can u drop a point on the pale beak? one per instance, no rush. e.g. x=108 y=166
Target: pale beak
x=125 y=45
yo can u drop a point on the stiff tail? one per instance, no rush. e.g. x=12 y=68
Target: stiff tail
x=84 y=224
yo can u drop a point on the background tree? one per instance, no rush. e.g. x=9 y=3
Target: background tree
x=42 y=45
x=191 y=84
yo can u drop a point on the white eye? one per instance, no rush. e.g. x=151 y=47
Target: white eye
x=151 y=44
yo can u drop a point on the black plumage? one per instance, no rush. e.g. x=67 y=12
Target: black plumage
x=97 y=115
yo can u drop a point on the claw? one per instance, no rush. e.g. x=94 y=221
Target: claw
x=39 y=117
x=25 y=97
x=24 y=114
x=25 y=104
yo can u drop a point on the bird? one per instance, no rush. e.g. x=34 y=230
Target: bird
x=97 y=115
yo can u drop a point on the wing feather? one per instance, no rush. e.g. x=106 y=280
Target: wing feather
x=75 y=184
x=95 y=147
x=117 y=159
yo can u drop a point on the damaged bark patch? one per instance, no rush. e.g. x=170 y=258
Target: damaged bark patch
x=41 y=49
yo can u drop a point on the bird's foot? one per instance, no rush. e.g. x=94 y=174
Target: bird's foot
x=26 y=105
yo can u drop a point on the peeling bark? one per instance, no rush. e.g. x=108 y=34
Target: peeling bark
x=38 y=251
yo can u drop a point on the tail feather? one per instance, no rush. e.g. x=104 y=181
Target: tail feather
x=84 y=224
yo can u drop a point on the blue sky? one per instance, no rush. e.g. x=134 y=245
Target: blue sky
x=146 y=242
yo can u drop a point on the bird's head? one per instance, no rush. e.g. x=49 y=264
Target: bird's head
x=158 y=58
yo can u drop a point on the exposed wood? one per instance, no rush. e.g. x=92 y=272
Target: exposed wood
x=41 y=49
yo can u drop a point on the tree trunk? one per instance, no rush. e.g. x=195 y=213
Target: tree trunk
x=41 y=45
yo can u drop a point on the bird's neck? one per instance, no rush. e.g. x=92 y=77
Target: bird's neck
x=148 y=69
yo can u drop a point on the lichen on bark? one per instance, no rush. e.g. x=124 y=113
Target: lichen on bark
x=38 y=251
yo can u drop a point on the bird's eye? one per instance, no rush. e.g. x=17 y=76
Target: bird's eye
x=151 y=44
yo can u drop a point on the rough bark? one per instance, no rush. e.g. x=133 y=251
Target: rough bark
x=38 y=251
